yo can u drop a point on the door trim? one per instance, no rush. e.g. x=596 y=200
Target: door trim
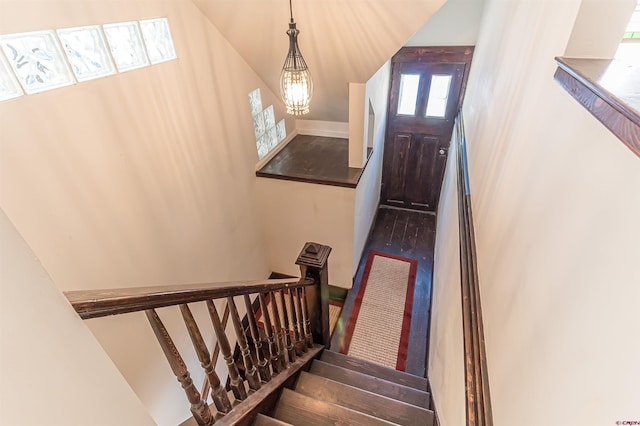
x=426 y=55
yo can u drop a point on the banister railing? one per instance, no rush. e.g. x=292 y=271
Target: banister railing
x=99 y=303
x=295 y=314
x=478 y=399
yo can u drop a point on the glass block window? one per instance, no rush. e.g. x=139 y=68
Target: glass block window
x=158 y=40
x=126 y=45
x=272 y=137
x=37 y=60
x=269 y=118
x=281 y=130
x=255 y=102
x=9 y=86
x=408 y=96
x=268 y=133
x=263 y=146
x=87 y=52
x=258 y=124
x=438 y=96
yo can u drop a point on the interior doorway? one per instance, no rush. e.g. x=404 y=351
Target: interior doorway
x=426 y=92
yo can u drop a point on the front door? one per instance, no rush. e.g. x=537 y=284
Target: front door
x=426 y=93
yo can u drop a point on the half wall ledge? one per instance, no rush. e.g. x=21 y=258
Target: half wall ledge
x=314 y=159
x=609 y=89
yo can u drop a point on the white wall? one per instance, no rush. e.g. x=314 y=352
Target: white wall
x=556 y=204
x=293 y=213
x=446 y=345
x=53 y=370
x=598 y=28
x=456 y=23
x=141 y=178
x=367 y=195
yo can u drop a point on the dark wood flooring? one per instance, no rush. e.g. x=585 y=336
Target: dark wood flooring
x=314 y=159
x=409 y=234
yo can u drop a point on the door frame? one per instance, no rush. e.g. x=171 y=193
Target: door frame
x=424 y=54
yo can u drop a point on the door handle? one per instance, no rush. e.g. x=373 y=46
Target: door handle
x=442 y=151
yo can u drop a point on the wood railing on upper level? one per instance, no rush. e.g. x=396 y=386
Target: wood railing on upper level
x=478 y=400
x=295 y=314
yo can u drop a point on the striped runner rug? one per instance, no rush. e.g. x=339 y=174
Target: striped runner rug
x=380 y=321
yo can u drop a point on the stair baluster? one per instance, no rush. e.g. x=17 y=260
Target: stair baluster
x=261 y=359
x=288 y=341
x=305 y=315
x=295 y=337
x=278 y=325
x=199 y=408
x=274 y=348
x=206 y=386
x=237 y=385
x=250 y=372
x=301 y=344
x=218 y=393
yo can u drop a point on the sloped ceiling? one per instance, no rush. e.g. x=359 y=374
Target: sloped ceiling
x=342 y=41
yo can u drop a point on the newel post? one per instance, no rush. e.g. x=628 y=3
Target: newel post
x=313 y=261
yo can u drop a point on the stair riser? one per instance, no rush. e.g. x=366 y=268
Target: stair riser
x=371 y=384
x=365 y=402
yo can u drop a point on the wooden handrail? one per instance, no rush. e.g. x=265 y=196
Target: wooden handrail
x=310 y=314
x=478 y=399
x=100 y=303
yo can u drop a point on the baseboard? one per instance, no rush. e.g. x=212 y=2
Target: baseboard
x=329 y=129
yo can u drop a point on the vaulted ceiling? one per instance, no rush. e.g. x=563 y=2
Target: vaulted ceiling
x=342 y=41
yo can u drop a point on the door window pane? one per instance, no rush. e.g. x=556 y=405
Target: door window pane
x=408 y=94
x=438 y=95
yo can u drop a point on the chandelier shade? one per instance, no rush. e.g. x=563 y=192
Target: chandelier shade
x=296 y=85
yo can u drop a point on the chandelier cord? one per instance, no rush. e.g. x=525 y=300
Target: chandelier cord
x=291 y=11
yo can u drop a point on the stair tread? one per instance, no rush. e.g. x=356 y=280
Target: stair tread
x=262 y=420
x=363 y=401
x=301 y=410
x=370 y=383
x=376 y=370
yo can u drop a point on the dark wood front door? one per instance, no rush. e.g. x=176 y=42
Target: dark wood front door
x=426 y=93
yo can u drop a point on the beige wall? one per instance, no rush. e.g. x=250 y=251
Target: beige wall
x=446 y=345
x=141 y=178
x=456 y=23
x=598 y=28
x=293 y=213
x=53 y=370
x=556 y=207
x=342 y=41
x=368 y=191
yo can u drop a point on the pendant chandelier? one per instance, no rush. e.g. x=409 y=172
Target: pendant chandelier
x=296 y=85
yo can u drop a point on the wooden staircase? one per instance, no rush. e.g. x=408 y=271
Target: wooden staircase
x=283 y=374
x=341 y=390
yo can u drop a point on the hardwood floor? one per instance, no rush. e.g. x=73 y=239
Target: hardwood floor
x=410 y=234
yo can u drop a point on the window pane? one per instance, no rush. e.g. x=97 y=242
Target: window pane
x=408 y=94
x=438 y=96
x=87 y=52
x=126 y=45
x=9 y=87
x=37 y=60
x=157 y=38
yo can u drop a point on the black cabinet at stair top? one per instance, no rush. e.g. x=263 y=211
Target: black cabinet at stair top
x=342 y=390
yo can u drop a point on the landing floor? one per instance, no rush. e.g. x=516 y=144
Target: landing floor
x=409 y=234
x=314 y=159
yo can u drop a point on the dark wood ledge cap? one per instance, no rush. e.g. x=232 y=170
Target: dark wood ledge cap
x=314 y=159
x=609 y=89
